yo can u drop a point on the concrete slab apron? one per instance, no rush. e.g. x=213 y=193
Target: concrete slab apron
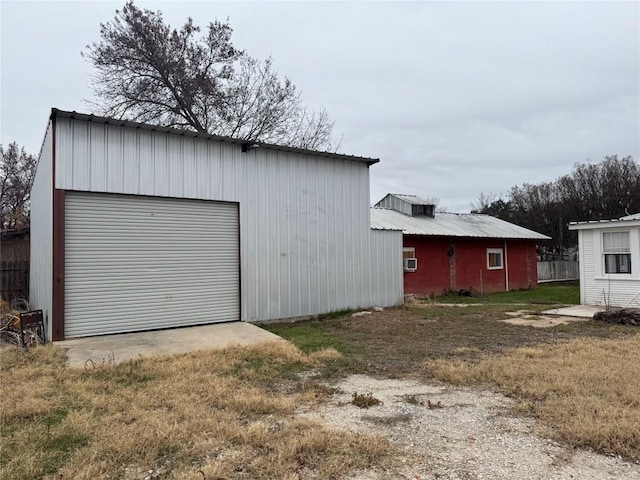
x=583 y=311
x=127 y=346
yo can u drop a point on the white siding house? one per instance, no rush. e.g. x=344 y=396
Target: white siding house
x=139 y=227
x=609 y=261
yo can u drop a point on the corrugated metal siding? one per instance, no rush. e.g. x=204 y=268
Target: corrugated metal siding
x=304 y=220
x=57 y=113
x=141 y=263
x=451 y=225
x=412 y=199
x=386 y=269
x=41 y=264
x=598 y=288
x=395 y=203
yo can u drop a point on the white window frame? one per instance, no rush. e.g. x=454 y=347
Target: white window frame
x=495 y=251
x=617 y=251
x=411 y=250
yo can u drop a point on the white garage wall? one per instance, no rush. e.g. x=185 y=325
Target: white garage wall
x=305 y=238
x=386 y=277
x=41 y=264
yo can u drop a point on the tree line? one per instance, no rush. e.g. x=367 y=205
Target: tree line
x=602 y=191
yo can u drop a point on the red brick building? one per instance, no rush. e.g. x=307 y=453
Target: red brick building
x=452 y=252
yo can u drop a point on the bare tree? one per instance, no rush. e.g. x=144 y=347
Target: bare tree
x=485 y=202
x=258 y=105
x=601 y=191
x=147 y=71
x=606 y=190
x=17 y=169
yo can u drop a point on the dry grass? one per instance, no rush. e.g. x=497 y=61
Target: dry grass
x=364 y=400
x=219 y=413
x=585 y=392
x=582 y=379
x=395 y=342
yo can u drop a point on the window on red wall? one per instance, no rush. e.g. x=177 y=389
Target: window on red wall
x=409 y=252
x=494 y=259
x=409 y=259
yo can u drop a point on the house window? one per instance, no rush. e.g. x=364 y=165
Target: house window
x=408 y=252
x=616 y=252
x=494 y=258
x=409 y=259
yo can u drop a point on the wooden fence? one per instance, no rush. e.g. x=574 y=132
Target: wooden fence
x=557 y=271
x=14 y=279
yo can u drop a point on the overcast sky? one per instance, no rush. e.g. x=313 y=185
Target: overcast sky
x=455 y=98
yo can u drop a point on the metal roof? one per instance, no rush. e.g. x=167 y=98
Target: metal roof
x=450 y=225
x=584 y=225
x=192 y=133
x=412 y=199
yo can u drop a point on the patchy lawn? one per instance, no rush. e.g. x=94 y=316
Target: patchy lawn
x=220 y=413
x=232 y=413
x=579 y=379
x=585 y=392
x=396 y=342
x=565 y=293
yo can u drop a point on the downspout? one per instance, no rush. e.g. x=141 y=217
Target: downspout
x=506 y=268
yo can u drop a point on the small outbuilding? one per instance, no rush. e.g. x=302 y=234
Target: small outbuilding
x=609 y=261
x=140 y=227
x=444 y=252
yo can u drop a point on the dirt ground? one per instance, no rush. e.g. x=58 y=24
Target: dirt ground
x=448 y=432
x=525 y=318
x=459 y=433
x=243 y=413
x=395 y=342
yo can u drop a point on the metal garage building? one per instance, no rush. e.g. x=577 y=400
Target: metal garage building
x=139 y=227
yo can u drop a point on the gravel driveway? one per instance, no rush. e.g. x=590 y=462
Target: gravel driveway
x=458 y=433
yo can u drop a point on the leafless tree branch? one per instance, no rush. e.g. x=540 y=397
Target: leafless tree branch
x=17 y=170
x=147 y=71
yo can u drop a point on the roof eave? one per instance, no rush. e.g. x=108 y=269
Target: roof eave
x=55 y=112
x=597 y=224
x=495 y=237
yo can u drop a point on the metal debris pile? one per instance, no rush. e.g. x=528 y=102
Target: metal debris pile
x=11 y=332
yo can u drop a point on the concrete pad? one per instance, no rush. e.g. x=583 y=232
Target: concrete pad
x=582 y=311
x=543 y=321
x=127 y=346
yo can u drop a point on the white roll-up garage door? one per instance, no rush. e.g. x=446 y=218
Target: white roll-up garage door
x=141 y=263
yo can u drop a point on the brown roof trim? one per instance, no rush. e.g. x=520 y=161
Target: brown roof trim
x=56 y=113
x=57 y=239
